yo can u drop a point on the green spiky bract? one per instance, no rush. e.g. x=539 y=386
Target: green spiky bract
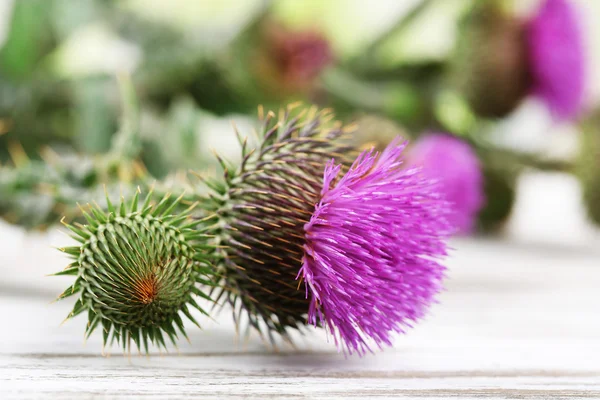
x=260 y=208
x=588 y=165
x=138 y=269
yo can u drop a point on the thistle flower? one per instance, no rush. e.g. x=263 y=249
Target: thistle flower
x=365 y=244
x=137 y=270
x=372 y=250
x=557 y=57
x=454 y=163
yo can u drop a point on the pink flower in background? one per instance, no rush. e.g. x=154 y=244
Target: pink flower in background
x=455 y=165
x=557 y=57
x=371 y=258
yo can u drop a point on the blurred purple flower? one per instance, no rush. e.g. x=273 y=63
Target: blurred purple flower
x=557 y=57
x=454 y=164
x=370 y=264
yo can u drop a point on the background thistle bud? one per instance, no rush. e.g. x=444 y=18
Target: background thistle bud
x=588 y=168
x=491 y=68
x=137 y=269
x=454 y=164
x=500 y=179
x=260 y=211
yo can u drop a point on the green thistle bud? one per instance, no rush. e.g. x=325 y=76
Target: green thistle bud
x=588 y=166
x=259 y=210
x=137 y=270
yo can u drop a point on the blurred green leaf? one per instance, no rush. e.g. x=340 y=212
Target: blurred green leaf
x=28 y=38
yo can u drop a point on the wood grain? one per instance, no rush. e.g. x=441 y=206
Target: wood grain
x=515 y=322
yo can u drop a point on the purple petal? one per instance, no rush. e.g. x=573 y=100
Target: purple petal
x=372 y=248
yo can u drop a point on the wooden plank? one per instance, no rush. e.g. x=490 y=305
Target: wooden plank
x=515 y=322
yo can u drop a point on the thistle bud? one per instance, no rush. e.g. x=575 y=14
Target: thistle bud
x=491 y=68
x=290 y=61
x=137 y=271
x=503 y=59
x=260 y=211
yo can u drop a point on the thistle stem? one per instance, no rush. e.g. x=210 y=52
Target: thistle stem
x=539 y=163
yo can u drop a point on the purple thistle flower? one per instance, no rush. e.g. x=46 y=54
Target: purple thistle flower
x=557 y=58
x=372 y=248
x=455 y=165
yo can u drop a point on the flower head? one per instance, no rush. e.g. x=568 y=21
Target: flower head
x=588 y=165
x=300 y=56
x=490 y=67
x=557 y=57
x=373 y=244
x=259 y=213
x=455 y=165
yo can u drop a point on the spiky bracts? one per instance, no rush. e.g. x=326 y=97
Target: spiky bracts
x=137 y=271
x=372 y=249
x=260 y=211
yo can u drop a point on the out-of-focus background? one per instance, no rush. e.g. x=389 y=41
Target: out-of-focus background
x=499 y=98
x=188 y=68
x=118 y=94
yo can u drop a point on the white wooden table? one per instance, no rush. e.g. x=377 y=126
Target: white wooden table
x=515 y=322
